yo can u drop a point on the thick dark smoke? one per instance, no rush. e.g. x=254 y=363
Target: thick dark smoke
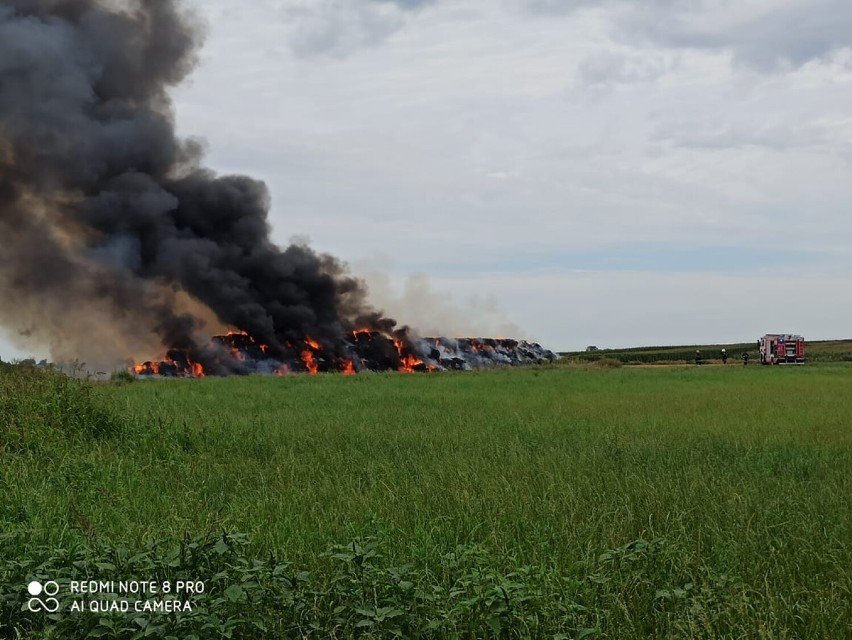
x=113 y=237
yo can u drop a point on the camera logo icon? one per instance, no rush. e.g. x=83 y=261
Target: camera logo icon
x=48 y=604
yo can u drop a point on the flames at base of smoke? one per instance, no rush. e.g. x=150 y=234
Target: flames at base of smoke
x=365 y=350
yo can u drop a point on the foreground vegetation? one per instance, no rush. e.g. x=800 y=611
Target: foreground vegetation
x=565 y=502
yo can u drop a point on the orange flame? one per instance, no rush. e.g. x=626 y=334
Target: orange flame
x=363 y=332
x=407 y=362
x=308 y=356
x=311 y=353
x=310 y=362
x=195 y=370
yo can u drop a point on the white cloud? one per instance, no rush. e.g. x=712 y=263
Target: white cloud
x=321 y=28
x=766 y=34
x=340 y=27
x=769 y=35
x=614 y=67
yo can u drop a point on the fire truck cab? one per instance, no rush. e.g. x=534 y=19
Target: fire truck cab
x=781 y=348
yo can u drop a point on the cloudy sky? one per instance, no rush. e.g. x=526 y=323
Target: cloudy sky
x=611 y=172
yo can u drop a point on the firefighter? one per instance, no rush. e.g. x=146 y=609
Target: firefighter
x=745 y=358
x=724 y=356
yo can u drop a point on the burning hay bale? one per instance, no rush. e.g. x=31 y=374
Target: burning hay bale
x=363 y=350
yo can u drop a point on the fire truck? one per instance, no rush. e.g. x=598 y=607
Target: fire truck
x=781 y=348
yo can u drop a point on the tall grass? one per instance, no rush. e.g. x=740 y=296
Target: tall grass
x=622 y=503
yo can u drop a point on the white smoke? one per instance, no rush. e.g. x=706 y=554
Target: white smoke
x=429 y=312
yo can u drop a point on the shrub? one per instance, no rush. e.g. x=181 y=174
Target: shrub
x=122 y=377
x=609 y=363
x=360 y=596
x=38 y=406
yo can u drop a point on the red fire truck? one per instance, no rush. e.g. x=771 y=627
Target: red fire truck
x=781 y=348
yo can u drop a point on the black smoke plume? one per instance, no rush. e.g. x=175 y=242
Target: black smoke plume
x=114 y=239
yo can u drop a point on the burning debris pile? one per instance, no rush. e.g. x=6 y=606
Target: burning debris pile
x=364 y=350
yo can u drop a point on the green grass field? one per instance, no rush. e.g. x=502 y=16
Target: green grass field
x=563 y=502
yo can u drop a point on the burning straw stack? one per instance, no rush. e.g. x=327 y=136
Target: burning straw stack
x=364 y=350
